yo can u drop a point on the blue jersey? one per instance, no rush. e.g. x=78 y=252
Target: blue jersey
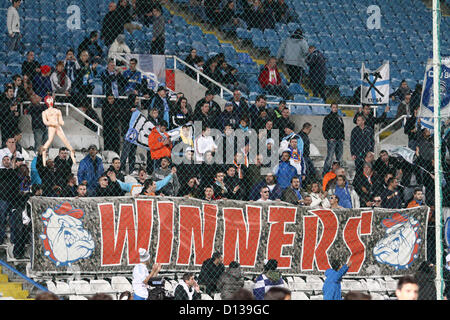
x=133 y=78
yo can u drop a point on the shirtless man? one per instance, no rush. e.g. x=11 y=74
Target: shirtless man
x=52 y=118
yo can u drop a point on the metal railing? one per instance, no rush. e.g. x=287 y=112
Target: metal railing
x=67 y=106
x=199 y=73
x=27 y=279
x=378 y=134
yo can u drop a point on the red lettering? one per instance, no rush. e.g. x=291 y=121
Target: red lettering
x=248 y=231
x=320 y=253
x=278 y=238
x=113 y=241
x=309 y=242
x=353 y=241
x=165 y=240
x=203 y=231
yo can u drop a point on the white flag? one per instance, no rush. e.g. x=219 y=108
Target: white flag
x=375 y=85
x=426 y=111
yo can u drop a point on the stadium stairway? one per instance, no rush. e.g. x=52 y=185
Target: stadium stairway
x=12 y=290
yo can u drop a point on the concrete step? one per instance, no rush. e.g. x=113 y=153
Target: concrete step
x=11 y=286
x=3 y=278
x=16 y=294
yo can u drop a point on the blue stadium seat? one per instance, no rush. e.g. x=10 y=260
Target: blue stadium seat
x=295 y=88
x=303 y=110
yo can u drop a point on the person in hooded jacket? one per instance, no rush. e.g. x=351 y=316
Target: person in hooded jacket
x=270 y=278
x=425 y=278
x=294 y=51
x=230 y=281
x=332 y=285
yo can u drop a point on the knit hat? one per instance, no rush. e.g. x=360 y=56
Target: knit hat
x=143 y=255
x=45 y=69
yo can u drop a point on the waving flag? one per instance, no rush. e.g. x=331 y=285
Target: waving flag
x=426 y=103
x=375 y=85
x=140 y=127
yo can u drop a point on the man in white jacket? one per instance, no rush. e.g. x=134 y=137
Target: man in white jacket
x=118 y=47
x=13 y=25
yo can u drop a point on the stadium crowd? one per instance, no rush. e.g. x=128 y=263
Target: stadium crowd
x=380 y=181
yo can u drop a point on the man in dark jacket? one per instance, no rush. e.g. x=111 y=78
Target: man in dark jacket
x=333 y=132
x=385 y=164
x=9 y=114
x=363 y=184
x=275 y=191
x=112 y=80
x=370 y=119
x=161 y=102
x=210 y=272
x=187 y=288
x=37 y=124
x=391 y=197
x=361 y=141
x=411 y=129
x=49 y=177
x=214 y=108
x=90 y=169
x=108 y=187
x=292 y=194
x=110 y=28
x=228 y=117
x=316 y=62
x=240 y=105
x=310 y=170
x=91 y=45
x=230 y=281
x=63 y=166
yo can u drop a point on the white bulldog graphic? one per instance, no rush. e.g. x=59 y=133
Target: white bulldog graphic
x=65 y=239
x=400 y=247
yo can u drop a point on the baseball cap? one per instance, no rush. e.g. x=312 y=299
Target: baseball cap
x=92 y=146
x=143 y=255
x=161 y=88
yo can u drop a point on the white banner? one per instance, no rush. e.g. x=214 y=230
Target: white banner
x=426 y=103
x=375 y=85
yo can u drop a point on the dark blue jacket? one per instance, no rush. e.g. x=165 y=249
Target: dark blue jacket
x=42 y=85
x=316 y=62
x=332 y=284
x=361 y=141
x=273 y=195
x=90 y=172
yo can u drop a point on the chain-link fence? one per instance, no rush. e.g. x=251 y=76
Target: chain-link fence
x=207 y=138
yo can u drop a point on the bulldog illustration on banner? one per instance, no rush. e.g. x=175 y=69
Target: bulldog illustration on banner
x=65 y=239
x=400 y=247
x=181 y=233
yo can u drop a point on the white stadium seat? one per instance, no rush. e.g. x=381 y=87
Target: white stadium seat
x=374 y=285
x=63 y=288
x=101 y=286
x=75 y=297
x=121 y=284
x=295 y=295
x=81 y=287
x=206 y=297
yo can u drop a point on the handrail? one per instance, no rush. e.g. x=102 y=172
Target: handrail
x=199 y=73
x=377 y=134
x=34 y=283
x=67 y=105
